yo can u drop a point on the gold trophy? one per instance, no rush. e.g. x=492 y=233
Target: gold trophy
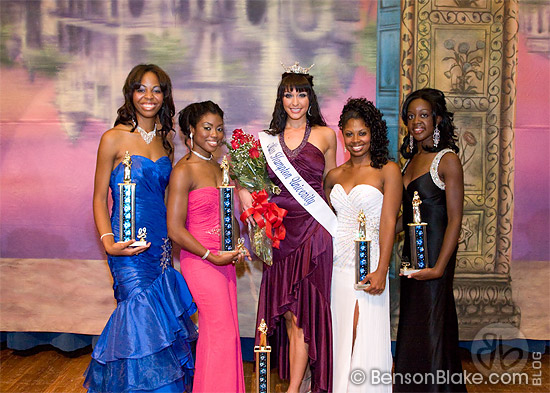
x=127 y=207
x=362 y=253
x=418 y=241
x=263 y=368
x=226 y=211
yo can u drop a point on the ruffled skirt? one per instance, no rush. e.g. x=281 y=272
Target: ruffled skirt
x=145 y=345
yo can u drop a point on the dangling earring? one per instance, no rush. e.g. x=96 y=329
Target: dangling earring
x=309 y=111
x=191 y=137
x=436 y=136
x=411 y=143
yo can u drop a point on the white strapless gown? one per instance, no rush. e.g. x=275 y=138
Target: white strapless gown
x=371 y=355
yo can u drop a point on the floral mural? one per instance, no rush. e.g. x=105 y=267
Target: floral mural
x=465 y=64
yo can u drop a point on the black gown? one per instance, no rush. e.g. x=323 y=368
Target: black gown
x=427 y=336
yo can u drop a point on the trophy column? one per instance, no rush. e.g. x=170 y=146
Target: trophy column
x=127 y=207
x=362 y=253
x=263 y=369
x=226 y=210
x=418 y=241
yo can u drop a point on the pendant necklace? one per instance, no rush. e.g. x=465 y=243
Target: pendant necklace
x=201 y=156
x=147 y=136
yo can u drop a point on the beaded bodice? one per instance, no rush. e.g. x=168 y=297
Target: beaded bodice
x=347 y=206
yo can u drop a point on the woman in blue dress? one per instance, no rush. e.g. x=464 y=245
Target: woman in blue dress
x=145 y=345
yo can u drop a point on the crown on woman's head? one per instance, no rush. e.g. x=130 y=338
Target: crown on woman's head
x=296 y=69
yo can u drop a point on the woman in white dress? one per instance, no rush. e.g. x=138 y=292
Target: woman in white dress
x=368 y=181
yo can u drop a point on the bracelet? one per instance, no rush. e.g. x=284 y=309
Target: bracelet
x=106 y=234
x=206 y=254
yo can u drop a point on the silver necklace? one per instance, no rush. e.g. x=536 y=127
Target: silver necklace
x=147 y=136
x=201 y=156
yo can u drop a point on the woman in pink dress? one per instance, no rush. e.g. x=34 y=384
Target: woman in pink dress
x=194 y=223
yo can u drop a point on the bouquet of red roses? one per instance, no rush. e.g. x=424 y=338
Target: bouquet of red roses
x=248 y=168
x=248 y=165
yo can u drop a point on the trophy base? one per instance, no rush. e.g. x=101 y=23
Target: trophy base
x=360 y=287
x=406 y=272
x=138 y=243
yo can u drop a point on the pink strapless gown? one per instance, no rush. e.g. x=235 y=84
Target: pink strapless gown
x=219 y=365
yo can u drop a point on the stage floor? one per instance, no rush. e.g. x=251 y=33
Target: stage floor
x=46 y=370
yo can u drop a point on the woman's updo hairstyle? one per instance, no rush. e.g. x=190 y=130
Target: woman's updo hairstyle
x=190 y=115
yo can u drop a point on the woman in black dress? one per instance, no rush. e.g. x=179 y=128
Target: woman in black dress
x=427 y=337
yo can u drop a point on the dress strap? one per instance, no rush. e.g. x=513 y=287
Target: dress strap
x=435 y=167
x=405 y=166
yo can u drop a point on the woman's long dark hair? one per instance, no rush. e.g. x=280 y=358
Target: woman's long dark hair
x=436 y=99
x=361 y=108
x=127 y=112
x=301 y=83
x=190 y=115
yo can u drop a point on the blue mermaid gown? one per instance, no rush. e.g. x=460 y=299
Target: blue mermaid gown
x=145 y=345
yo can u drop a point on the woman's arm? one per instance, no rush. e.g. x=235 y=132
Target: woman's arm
x=450 y=170
x=330 y=153
x=176 y=215
x=393 y=186
x=107 y=154
x=245 y=199
x=328 y=184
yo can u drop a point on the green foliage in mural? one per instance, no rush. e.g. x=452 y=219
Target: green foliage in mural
x=167 y=49
x=47 y=61
x=366 y=47
x=465 y=65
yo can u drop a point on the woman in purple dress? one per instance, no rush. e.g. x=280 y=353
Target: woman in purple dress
x=295 y=291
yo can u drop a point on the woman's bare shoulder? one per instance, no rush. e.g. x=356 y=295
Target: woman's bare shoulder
x=391 y=168
x=334 y=173
x=182 y=165
x=324 y=130
x=116 y=134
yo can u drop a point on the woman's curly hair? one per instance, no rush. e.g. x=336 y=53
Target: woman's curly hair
x=361 y=108
x=302 y=83
x=436 y=99
x=127 y=112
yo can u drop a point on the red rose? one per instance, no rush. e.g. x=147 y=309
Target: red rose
x=253 y=152
x=235 y=145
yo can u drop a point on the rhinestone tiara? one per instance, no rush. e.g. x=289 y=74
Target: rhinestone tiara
x=296 y=69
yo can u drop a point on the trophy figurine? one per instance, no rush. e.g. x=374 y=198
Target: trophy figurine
x=263 y=369
x=127 y=207
x=362 y=253
x=226 y=210
x=419 y=241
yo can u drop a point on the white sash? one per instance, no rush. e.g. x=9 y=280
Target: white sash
x=295 y=184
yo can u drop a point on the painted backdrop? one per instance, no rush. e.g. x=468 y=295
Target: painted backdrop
x=62 y=67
